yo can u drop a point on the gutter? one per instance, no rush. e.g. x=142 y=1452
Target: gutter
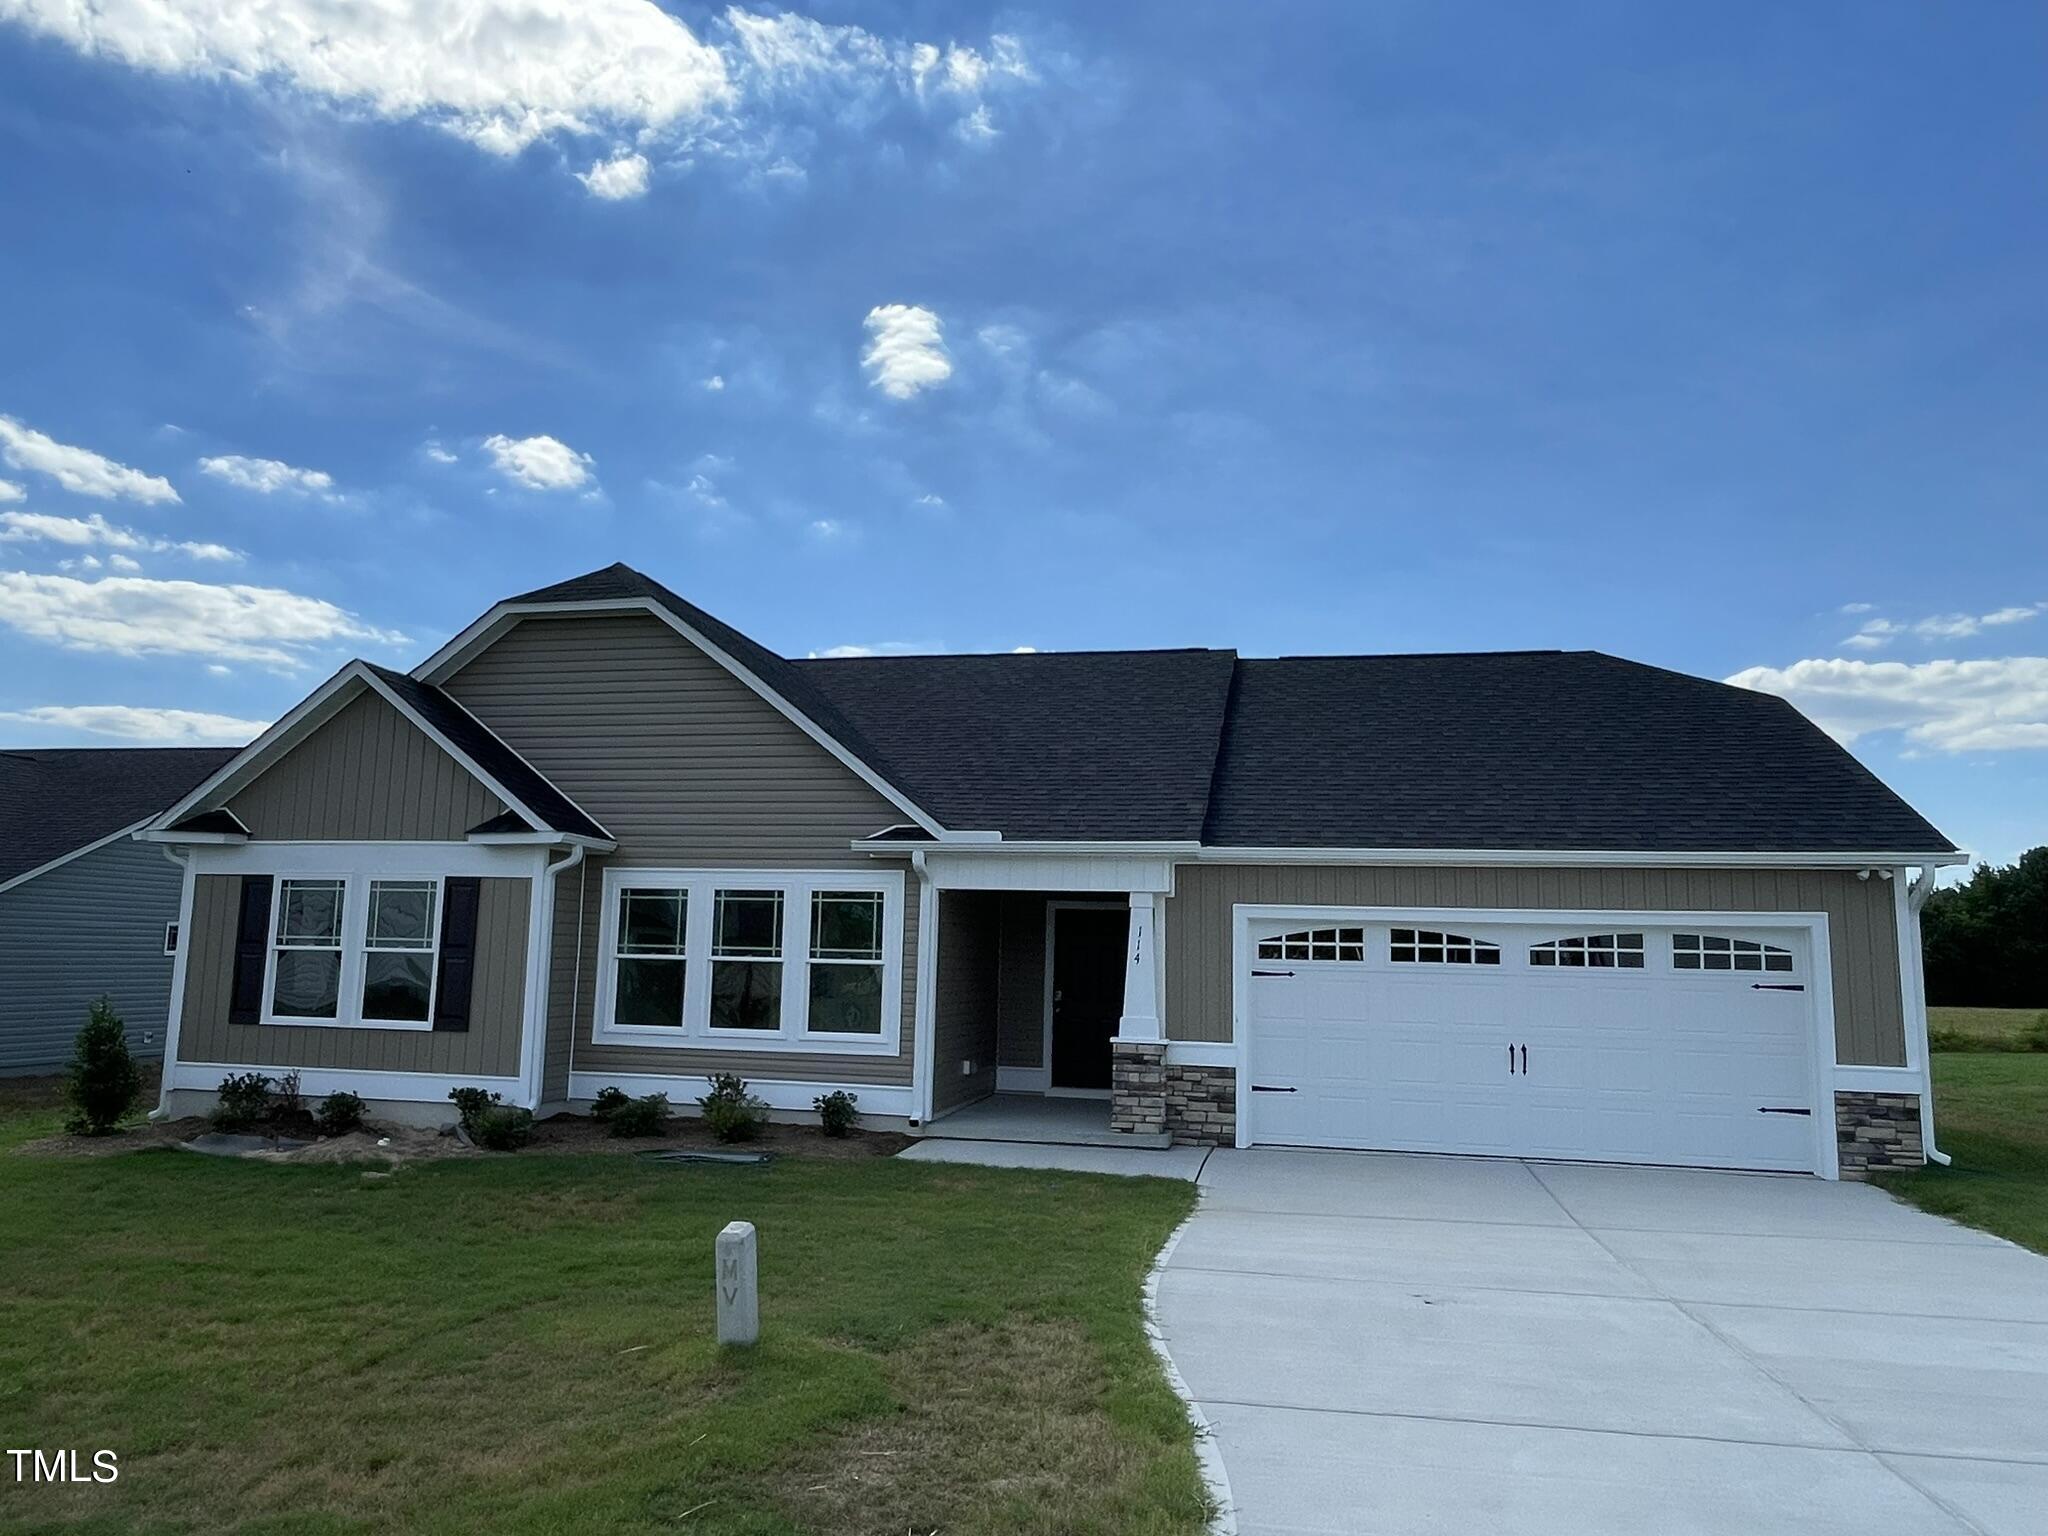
x=174 y=1016
x=1916 y=898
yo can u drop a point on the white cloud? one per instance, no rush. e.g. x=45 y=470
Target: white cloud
x=434 y=451
x=139 y=616
x=906 y=350
x=1877 y=633
x=132 y=722
x=9 y=491
x=1856 y=608
x=267 y=476
x=617 y=179
x=715 y=383
x=96 y=531
x=1023 y=650
x=78 y=470
x=1944 y=706
x=879 y=648
x=931 y=499
x=826 y=529
x=124 y=563
x=543 y=463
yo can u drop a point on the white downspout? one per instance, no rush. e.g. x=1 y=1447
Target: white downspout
x=1916 y=898
x=541 y=932
x=927 y=987
x=182 y=857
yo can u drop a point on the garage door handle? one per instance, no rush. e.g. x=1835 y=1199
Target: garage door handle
x=1777 y=986
x=1270 y=1088
x=1768 y=1109
x=1272 y=973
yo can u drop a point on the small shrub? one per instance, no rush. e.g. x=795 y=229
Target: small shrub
x=609 y=1101
x=503 y=1128
x=732 y=1113
x=284 y=1098
x=341 y=1113
x=244 y=1099
x=103 y=1083
x=839 y=1111
x=471 y=1104
x=2035 y=1036
x=641 y=1117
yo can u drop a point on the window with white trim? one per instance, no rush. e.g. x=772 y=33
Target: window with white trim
x=305 y=967
x=1425 y=946
x=1716 y=952
x=1595 y=951
x=1315 y=944
x=170 y=938
x=401 y=941
x=758 y=959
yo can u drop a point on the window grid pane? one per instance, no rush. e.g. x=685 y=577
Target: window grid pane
x=846 y=925
x=1425 y=946
x=1717 y=952
x=401 y=914
x=747 y=925
x=309 y=913
x=653 y=922
x=1315 y=944
x=1597 y=951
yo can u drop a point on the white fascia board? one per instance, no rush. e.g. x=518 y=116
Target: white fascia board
x=132 y=830
x=1624 y=858
x=542 y=840
x=190 y=839
x=457 y=653
x=996 y=845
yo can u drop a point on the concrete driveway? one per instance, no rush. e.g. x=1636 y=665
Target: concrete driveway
x=1476 y=1348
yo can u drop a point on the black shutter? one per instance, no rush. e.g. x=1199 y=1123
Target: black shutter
x=458 y=951
x=252 y=950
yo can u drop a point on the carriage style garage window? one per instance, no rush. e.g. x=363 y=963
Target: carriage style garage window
x=1423 y=946
x=1598 y=951
x=1315 y=944
x=754 y=959
x=1712 y=952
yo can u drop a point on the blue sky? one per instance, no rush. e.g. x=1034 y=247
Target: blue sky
x=1715 y=339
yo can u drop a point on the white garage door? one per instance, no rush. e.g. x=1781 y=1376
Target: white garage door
x=1594 y=1038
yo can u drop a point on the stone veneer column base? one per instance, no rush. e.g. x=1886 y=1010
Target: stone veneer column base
x=1875 y=1131
x=1137 y=1088
x=1201 y=1105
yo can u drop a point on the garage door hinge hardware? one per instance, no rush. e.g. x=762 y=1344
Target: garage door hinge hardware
x=1269 y=1088
x=1767 y=1109
x=1777 y=986
x=1272 y=973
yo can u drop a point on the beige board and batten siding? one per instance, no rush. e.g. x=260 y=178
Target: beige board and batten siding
x=688 y=768
x=1020 y=1007
x=1862 y=932
x=965 y=998
x=367 y=775
x=488 y=1048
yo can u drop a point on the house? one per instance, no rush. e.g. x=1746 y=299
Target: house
x=1553 y=904
x=85 y=909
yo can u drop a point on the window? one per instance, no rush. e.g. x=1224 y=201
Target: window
x=653 y=958
x=1598 y=951
x=771 y=959
x=399 y=951
x=306 y=957
x=746 y=960
x=1315 y=944
x=170 y=938
x=1422 y=946
x=1712 y=952
x=846 y=963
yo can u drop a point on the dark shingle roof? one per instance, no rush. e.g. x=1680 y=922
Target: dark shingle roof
x=622 y=581
x=1536 y=749
x=477 y=742
x=54 y=801
x=1070 y=744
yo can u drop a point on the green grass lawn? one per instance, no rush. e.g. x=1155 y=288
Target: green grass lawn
x=523 y=1344
x=1991 y=1118
x=1987 y=1029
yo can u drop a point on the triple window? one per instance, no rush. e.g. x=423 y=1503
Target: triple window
x=334 y=962
x=772 y=960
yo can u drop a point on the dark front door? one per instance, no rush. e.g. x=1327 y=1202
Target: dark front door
x=1087 y=992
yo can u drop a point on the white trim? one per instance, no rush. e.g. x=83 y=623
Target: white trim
x=1053 y=908
x=354 y=947
x=174 y=1022
x=1201 y=1053
x=924 y=1018
x=414 y=1087
x=1023 y=1079
x=174 y=936
x=486 y=631
x=1623 y=858
x=787 y=1093
x=1879 y=1080
x=1820 y=984
x=793 y=1033
x=77 y=853
x=372 y=859
x=540 y=958
x=1005 y=868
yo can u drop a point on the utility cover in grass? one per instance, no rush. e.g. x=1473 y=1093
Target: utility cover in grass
x=220 y=1144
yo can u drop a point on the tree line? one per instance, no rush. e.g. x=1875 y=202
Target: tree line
x=1986 y=940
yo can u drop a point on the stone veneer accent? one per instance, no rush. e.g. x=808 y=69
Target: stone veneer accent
x=1201 y=1105
x=1876 y=1131
x=1137 y=1088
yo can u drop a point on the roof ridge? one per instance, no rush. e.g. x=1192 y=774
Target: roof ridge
x=1159 y=650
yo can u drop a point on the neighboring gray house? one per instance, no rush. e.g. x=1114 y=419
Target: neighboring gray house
x=84 y=908
x=1551 y=904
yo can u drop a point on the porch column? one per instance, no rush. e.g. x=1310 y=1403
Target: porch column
x=1140 y=1020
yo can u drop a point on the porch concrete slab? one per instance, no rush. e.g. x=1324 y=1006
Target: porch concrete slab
x=1402 y=1251
x=1031 y=1117
x=1377 y=1184
x=1137 y=1162
x=1748 y=1204
x=2002 y=1498
x=1907 y=1279
x=1308 y=1474
x=1592 y=1362
x=1938 y=1386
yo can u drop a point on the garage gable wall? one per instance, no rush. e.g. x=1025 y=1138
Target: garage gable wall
x=1862 y=932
